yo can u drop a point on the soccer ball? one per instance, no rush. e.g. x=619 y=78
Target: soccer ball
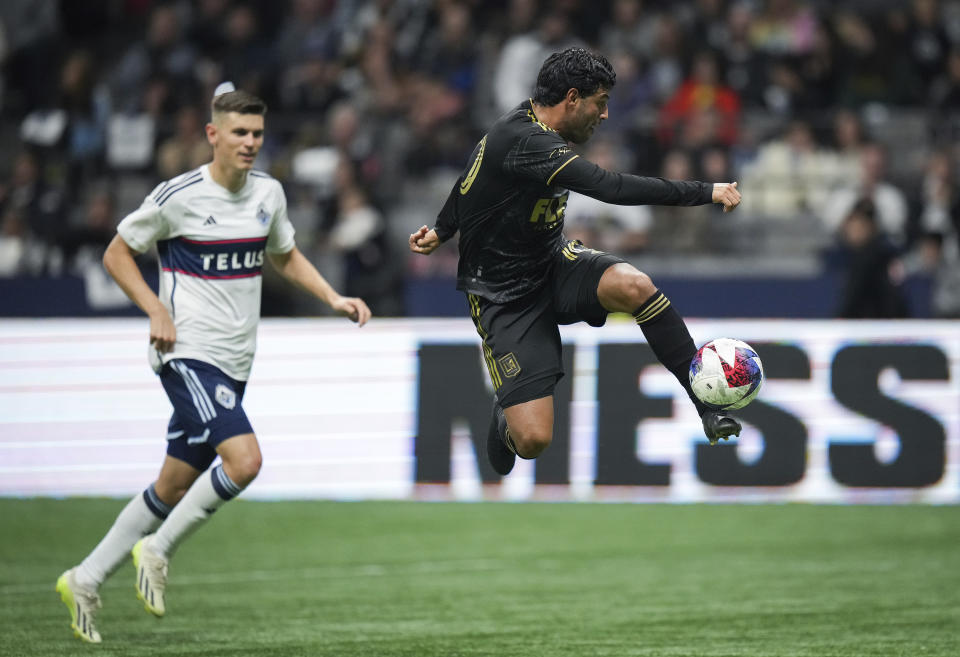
x=726 y=373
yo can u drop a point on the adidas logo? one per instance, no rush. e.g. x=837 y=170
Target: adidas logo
x=210 y=221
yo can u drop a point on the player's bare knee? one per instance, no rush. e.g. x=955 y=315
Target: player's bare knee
x=639 y=287
x=244 y=469
x=532 y=442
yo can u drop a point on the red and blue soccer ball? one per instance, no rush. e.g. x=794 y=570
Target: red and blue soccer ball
x=726 y=373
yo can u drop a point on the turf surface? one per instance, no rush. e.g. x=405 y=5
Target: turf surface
x=423 y=579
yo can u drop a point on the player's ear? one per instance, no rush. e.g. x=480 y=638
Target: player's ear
x=211 y=130
x=573 y=95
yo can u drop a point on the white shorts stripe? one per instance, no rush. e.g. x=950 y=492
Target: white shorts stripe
x=193 y=393
x=203 y=393
x=192 y=387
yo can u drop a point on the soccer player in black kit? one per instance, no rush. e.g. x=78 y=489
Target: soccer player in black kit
x=523 y=278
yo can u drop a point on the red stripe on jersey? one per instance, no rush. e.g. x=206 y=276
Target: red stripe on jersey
x=188 y=273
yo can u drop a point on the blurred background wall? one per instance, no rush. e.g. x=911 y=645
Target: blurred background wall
x=839 y=119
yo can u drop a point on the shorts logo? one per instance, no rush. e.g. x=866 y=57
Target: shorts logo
x=225 y=396
x=509 y=365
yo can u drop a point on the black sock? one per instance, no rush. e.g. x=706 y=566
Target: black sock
x=670 y=340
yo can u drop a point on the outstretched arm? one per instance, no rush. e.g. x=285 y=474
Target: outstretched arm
x=295 y=267
x=581 y=175
x=119 y=262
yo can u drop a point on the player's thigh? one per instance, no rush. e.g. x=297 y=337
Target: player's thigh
x=207 y=410
x=521 y=346
x=577 y=273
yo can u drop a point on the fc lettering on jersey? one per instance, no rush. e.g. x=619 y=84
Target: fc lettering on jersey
x=548 y=211
x=221 y=259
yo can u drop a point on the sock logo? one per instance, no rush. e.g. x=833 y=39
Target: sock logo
x=225 y=396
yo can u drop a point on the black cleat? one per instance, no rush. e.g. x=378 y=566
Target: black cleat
x=719 y=426
x=501 y=456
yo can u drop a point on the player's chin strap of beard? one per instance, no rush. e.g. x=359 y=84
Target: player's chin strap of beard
x=223 y=88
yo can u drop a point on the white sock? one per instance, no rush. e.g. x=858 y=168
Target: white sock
x=207 y=494
x=142 y=515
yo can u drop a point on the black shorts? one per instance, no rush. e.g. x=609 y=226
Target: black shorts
x=521 y=341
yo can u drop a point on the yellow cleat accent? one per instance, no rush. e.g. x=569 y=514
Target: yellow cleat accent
x=83 y=608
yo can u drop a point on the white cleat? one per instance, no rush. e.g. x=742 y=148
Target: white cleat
x=151 y=576
x=83 y=605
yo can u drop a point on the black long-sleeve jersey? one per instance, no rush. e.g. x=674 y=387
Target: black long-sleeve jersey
x=509 y=202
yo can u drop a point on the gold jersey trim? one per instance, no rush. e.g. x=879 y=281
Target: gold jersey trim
x=557 y=170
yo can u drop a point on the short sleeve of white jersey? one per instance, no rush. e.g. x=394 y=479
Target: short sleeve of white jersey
x=280 y=239
x=144 y=226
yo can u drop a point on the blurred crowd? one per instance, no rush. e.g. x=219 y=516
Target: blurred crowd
x=838 y=118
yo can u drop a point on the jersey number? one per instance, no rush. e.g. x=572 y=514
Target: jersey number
x=474 y=168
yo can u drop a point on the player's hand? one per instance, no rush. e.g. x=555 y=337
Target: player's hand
x=424 y=241
x=727 y=194
x=353 y=308
x=163 y=334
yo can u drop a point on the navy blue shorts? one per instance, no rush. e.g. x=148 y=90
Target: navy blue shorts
x=206 y=410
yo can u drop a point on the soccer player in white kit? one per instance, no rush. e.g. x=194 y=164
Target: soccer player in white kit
x=213 y=228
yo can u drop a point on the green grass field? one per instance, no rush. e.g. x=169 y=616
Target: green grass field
x=424 y=579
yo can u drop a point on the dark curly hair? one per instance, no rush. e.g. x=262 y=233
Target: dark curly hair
x=573 y=68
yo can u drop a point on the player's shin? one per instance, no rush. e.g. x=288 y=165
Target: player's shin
x=667 y=335
x=207 y=494
x=142 y=515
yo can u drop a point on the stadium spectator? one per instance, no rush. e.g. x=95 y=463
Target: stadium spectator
x=867 y=261
x=203 y=356
x=247 y=57
x=38 y=205
x=790 y=175
x=926 y=45
x=631 y=29
x=889 y=202
x=164 y=54
x=83 y=245
x=674 y=229
x=937 y=203
x=520 y=56
x=744 y=65
x=703 y=110
x=186 y=149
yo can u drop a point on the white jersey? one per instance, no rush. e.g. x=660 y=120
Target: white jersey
x=212 y=243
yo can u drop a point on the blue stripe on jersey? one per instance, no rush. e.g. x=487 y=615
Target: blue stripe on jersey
x=174 y=182
x=174 y=190
x=214 y=259
x=260 y=174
